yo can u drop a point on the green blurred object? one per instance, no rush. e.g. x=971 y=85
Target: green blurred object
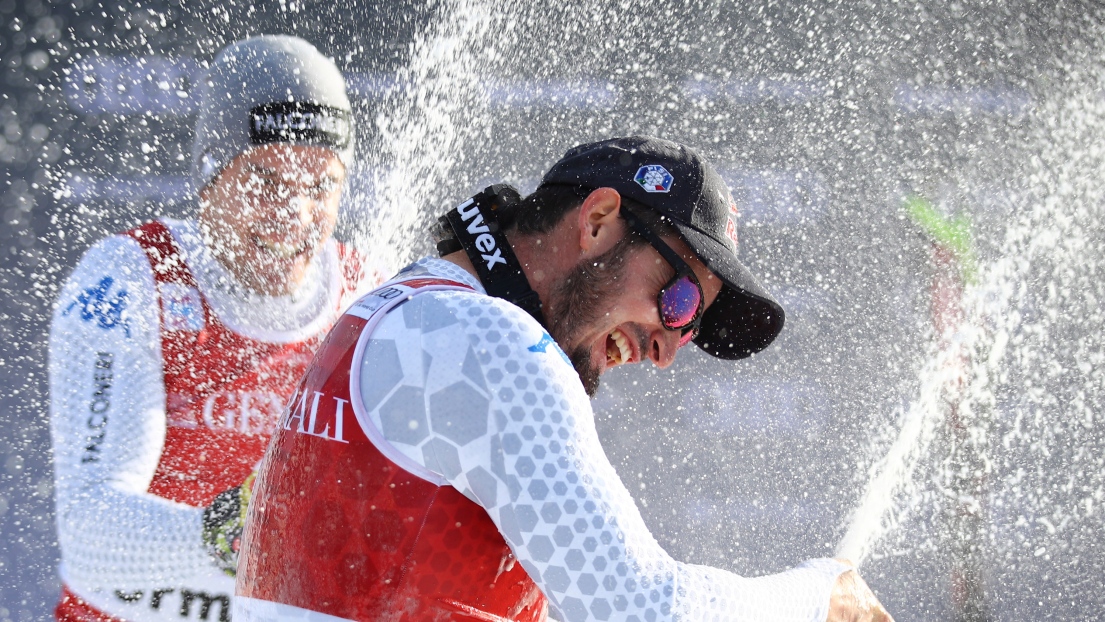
x=952 y=233
x=224 y=522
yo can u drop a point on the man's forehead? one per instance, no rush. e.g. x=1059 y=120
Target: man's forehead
x=291 y=159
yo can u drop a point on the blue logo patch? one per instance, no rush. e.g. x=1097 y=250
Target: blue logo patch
x=546 y=341
x=654 y=178
x=183 y=307
x=94 y=305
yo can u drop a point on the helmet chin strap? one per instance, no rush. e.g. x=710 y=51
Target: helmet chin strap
x=476 y=229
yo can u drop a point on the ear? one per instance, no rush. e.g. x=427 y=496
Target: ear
x=600 y=228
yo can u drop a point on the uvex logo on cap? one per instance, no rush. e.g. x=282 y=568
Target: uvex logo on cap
x=299 y=122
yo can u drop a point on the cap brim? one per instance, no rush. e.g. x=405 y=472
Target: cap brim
x=744 y=318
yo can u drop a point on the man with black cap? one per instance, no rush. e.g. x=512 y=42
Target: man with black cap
x=439 y=460
x=174 y=345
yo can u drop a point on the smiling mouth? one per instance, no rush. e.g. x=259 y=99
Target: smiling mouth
x=282 y=249
x=618 y=351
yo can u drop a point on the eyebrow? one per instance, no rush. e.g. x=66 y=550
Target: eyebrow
x=261 y=170
x=271 y=172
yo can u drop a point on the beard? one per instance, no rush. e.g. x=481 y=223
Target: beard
x=579 y=301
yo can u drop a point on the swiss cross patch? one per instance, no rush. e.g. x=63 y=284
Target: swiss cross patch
x=654 y=178
x=731 y=226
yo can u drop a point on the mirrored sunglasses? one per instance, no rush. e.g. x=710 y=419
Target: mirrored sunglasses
x=681 y=301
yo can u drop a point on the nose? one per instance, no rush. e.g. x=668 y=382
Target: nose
x=663 y=345
x=306 y=211
x=300 y=209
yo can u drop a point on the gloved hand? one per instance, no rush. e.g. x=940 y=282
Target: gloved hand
x=223 y=523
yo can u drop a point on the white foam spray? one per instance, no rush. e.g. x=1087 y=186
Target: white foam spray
x=875 y=515
x=437 y=106
x=1029 y=391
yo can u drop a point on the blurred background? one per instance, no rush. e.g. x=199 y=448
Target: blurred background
x=829 y=120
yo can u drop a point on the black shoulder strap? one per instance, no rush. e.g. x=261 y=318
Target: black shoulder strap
x=477 y=232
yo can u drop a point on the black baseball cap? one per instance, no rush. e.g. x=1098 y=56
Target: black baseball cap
x=676 y=182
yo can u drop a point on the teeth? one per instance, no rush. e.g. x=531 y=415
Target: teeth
x=618 y=352
x=281 y=248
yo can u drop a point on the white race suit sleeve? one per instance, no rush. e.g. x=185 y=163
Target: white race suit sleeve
x=470 y=391
x=107 y=415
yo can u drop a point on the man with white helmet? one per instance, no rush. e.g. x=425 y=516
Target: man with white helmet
x=175 y=344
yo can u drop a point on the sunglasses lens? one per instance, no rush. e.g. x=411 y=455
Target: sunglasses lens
x=679 y=303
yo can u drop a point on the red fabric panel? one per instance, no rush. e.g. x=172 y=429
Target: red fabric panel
x=336 y=527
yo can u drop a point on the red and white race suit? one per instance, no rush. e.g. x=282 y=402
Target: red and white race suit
x=439 y=461
x=167 y=379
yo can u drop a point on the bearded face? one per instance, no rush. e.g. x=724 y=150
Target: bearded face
x=581 y=301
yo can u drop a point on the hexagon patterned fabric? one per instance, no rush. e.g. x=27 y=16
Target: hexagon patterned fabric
x=471 y=391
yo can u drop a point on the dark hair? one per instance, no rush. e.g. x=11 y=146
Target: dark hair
x=543 y=210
